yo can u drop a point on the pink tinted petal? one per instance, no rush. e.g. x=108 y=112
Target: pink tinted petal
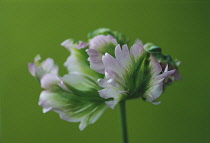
x=49 y=66
x=68 y=44
x=49 y=81
x=118 y=52
x=110 y=93
x=92 y=52
x=107 y=83
x=165 y=74
x=81 y=45
x=98 y=67
x=32 y=68
x=123 y=56
x=102 y=83
x=39 y=68
x=101 y=40
x=111 y=64
x=155 y=66
x=107 y=93
x=95 y=59
x=137 y=50
x=109 y=73
x=138 y=41
x=111 y=104
x=112 y=82
x=155 y=91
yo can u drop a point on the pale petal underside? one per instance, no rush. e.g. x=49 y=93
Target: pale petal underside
x=135 y=72
x=98 y=46
x=69 y=101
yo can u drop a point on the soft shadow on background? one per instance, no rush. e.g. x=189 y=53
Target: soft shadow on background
x=180 y=28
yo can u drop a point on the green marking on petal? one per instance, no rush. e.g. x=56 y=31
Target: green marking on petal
x=138 y=76
x=77 y=62
x=74 y=105
x=108 y=48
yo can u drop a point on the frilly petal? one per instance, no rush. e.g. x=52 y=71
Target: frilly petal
x=71 y=103
x=101 y=42
x=136 y=50
x=111 y=64
x=38 y=68
x=133 y=73
x=81 y=45
x=32 y=69
x=71 y=108
x=95 y=59
x=156 y=86
x=70 y=43
x=49 y=81
x=98 y=46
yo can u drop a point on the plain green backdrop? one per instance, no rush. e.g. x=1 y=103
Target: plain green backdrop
x=180 y=28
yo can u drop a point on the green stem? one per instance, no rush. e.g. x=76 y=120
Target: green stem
x=123 y=122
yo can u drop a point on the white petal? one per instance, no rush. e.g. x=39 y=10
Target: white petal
x=32 y=69
x=81 y=45
x=111 y=104
x=137 y=50
x=123 y=56
x=68 y=44
x=49 y=81
x=101 y=40
x=165 y=74
x=155 y=66
x=111 y=64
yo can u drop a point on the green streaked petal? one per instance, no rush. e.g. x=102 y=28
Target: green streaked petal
x=73 y=105
x=135 y=72
x=77 y=62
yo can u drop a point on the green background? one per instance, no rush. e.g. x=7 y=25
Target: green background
x=180 y=28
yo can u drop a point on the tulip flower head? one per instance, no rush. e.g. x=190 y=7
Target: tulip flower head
x=101 y=73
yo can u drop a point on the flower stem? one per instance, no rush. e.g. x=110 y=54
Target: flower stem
x=122 y=112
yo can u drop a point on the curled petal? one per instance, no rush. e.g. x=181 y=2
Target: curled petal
x=49 y=81
x=70 y=43
x=101 y=42
x=32 y=69
x=71 y=103
x=110 y=93
x=38 y=68
x=95 y=59
x=123 y=56
x=82 y=45
x=155 y=66
x=133 y=73
x=156 y=86
x=71 y=108
x=98 y=46
x=111 y=64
